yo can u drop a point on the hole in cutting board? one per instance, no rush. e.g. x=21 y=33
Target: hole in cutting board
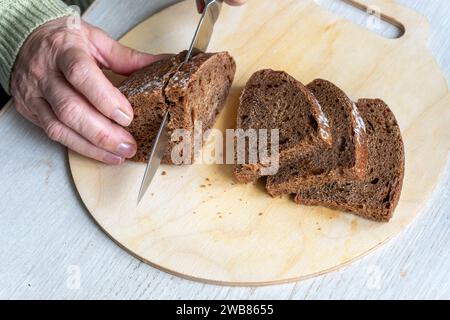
x=368 y=17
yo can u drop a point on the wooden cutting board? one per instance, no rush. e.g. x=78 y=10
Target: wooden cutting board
x=196 y=223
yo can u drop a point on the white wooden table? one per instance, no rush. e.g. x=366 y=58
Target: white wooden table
x=50 y=248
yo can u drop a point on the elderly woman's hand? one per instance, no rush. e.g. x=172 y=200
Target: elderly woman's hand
x=57 y=83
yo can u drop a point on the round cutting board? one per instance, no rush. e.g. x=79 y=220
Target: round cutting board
x=197 y=223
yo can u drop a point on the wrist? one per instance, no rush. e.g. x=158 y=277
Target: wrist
x=18 y=20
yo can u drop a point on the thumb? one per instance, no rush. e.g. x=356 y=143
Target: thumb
x=117 y=57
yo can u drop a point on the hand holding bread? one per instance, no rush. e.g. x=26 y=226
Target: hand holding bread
x=58 y=84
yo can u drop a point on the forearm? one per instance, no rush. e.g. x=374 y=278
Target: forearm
x=18 y=19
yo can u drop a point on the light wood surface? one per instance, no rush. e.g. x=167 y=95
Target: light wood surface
x=46 y=233
x=197 y=223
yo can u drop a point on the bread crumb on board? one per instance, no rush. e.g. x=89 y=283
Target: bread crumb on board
x=164 y=173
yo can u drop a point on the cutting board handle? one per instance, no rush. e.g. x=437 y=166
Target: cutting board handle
x=413 y=24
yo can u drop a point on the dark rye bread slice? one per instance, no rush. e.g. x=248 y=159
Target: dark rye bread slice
x=377 y=195
x=346 y=159
x=196 y=92
x=275 y=100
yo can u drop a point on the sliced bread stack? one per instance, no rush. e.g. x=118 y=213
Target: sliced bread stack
x=360 y=171
x=347 y=156
x=376 y=195
x=195 y=91
x=273 y=99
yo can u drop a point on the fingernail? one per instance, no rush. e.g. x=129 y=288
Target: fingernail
x=121 y=118
x=113 y=159
x=126 y=150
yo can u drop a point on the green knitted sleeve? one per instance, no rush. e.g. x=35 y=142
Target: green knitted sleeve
x=18 y=19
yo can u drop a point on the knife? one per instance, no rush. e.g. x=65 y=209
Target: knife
x=210 y=10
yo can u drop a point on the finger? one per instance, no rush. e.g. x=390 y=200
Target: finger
x=235 y=2
x=82 y=72
x=201 y=4
x=117 y=57
x=76 y=113
x=58 y=132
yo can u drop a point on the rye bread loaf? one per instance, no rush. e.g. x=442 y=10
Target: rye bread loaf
x=376 y=196
x=347 y=157
x=145 y=92
x=195 y=92
x=275 y=100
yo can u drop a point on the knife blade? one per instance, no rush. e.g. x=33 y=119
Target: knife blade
x=205 y=28
x=157 y=153
x=200 y=42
